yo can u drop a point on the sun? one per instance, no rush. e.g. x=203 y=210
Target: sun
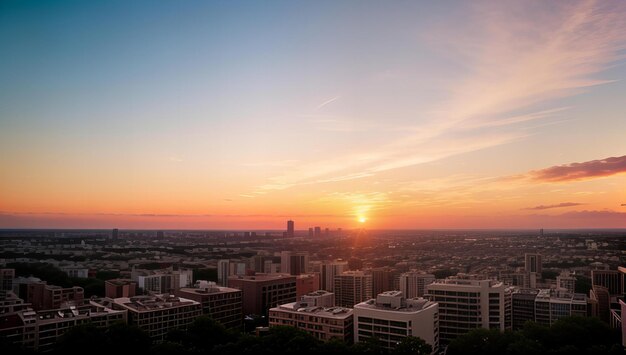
x=362 y=219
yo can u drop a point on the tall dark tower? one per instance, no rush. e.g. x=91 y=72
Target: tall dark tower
x=160 y=235
x=114 y=234
x=541 y=232
x=290 y=228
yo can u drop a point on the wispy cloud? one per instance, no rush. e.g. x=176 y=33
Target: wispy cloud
x=327 y=102
x=559 y=205
x=581 y=171
x=519 y=62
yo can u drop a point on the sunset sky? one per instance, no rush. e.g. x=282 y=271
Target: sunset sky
x=242 y=114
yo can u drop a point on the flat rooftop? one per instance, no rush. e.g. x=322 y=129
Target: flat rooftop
x=326 y=312
x=152 y=303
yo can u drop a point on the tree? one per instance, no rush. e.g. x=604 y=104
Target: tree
x=412 y=346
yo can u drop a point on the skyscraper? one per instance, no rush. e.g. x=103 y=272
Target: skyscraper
x=318 y=232
x=290 y=228
x=114 y=234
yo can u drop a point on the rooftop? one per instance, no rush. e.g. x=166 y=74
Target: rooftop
x=151 y=303
x=330 y=312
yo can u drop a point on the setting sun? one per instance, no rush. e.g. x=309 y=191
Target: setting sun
x=362 y=219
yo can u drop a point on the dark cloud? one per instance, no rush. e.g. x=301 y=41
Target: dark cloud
x=546 y=207
x=580 y=171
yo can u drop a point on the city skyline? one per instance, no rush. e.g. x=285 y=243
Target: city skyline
x=239 y=115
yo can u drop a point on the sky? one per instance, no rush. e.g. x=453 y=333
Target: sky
x=351 y=114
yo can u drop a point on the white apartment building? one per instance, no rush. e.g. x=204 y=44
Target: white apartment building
x=391 y=317
x=466 y=304
x=413 y=284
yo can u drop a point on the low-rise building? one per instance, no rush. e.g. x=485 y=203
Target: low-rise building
x=321 y=322
x=223 y=304
x=260 y=292
x=41 y=330
x=157 y=314
x=390 y=317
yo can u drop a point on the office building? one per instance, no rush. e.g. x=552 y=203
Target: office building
x=318 y=232
x=319 y=298
x=413 y=284
x=294 y=263
x=223 y=272
x=117 y=288
x=546 y=306
x=157 y=314
x=352 y=287
x=391 y=317
x=466 y=304
x=115 y=234
x=329 y=270
x=613 y=280
x=321 y=322
x=222 y=304
x=290 y=228
x=566 y=282
x=260 y=292
x=6 y=279
x=40 y=330
x=307 y=283
x=384 y=279
x=42 y=296
x=532 y=263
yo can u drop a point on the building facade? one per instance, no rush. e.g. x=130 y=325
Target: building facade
x=260 y=292
x=466 y=304
x=222 y=304
x=321 y=322
x=391 y=317
x=352 y=287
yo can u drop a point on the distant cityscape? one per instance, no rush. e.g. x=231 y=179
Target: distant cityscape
x=347 y=285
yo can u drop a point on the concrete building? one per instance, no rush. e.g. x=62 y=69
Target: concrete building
x=391 y=317
x=319 y=298
x=290 y=228
x=546 y=306
x=413 y=284
x=294 y=263
x=533 y=263
x=623 y=321
x=566 y=282
x=307 y=283
x=352 y=287
x=6 y=279
x=321 y=322
x=43 y=296
x=157 y=314
x=77 y=272
x=264 y=291
x=41 y=330
x=613 y=280
x=223 y=304
x=223 y=272
x=328 y=271
x=385 y=279
x=116 y=288
x=468 y=304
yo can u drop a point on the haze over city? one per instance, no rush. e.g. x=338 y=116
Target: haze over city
x=204 y=115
